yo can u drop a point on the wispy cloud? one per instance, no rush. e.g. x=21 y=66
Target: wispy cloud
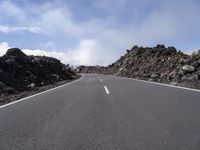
x=12 y=11
x=10 y=29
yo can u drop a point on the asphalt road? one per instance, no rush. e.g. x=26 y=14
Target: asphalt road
x=104 y=113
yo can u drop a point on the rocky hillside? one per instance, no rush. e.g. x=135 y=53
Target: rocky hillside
x=91 y=69
x=19 y=72
x=158 y=63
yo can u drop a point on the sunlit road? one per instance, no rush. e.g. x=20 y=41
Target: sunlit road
x=104 y=113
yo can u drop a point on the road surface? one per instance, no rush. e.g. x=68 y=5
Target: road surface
x=104 y=113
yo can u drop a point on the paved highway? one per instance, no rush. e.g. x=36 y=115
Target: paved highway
x=104 y=113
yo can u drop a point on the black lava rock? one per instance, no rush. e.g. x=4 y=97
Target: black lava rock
x=19 y=72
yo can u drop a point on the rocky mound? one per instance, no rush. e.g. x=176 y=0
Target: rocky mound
x=19 y=72
x=90 y=69
x=158 y=63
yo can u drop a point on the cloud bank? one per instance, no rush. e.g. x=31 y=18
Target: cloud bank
x=84 y=53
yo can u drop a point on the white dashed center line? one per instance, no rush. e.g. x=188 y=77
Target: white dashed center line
x=106 y=89
x=100 y=80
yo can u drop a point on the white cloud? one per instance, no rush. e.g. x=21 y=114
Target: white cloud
x=88 y=52
x=11 y=10
x=58 y=20
x=4 y=46
x=55 y=21
x=164 y=24
x=9 y=29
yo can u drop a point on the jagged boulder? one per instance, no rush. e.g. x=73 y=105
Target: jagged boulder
x=188 y=68
x=14 y=52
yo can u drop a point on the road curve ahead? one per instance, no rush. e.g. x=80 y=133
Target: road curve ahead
x=104 y=113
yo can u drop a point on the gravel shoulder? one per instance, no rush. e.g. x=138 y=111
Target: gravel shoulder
x=7 y=98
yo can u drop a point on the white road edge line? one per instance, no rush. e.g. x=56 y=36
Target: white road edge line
x=163 y=84
x=106 y=89
x=17 y=101
x=179 y=87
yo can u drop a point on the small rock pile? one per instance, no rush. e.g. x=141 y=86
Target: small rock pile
x=161 y=64
x=19 y=72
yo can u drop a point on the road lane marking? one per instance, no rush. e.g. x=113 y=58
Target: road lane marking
x=106 y=89
x=157 y=83
x=99 y=79
x=26 y=98
x=151 y=82
x=163 y=84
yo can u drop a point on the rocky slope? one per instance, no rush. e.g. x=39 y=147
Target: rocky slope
x=91 y=69
x=158 y=63
x=19 y=72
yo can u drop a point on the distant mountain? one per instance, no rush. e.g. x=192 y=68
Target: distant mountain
x=19 y=72
x=158 y=63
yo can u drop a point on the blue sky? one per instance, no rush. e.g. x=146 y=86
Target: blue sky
x=92 y=32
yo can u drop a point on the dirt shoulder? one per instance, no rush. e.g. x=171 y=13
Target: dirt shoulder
x=7 y=98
